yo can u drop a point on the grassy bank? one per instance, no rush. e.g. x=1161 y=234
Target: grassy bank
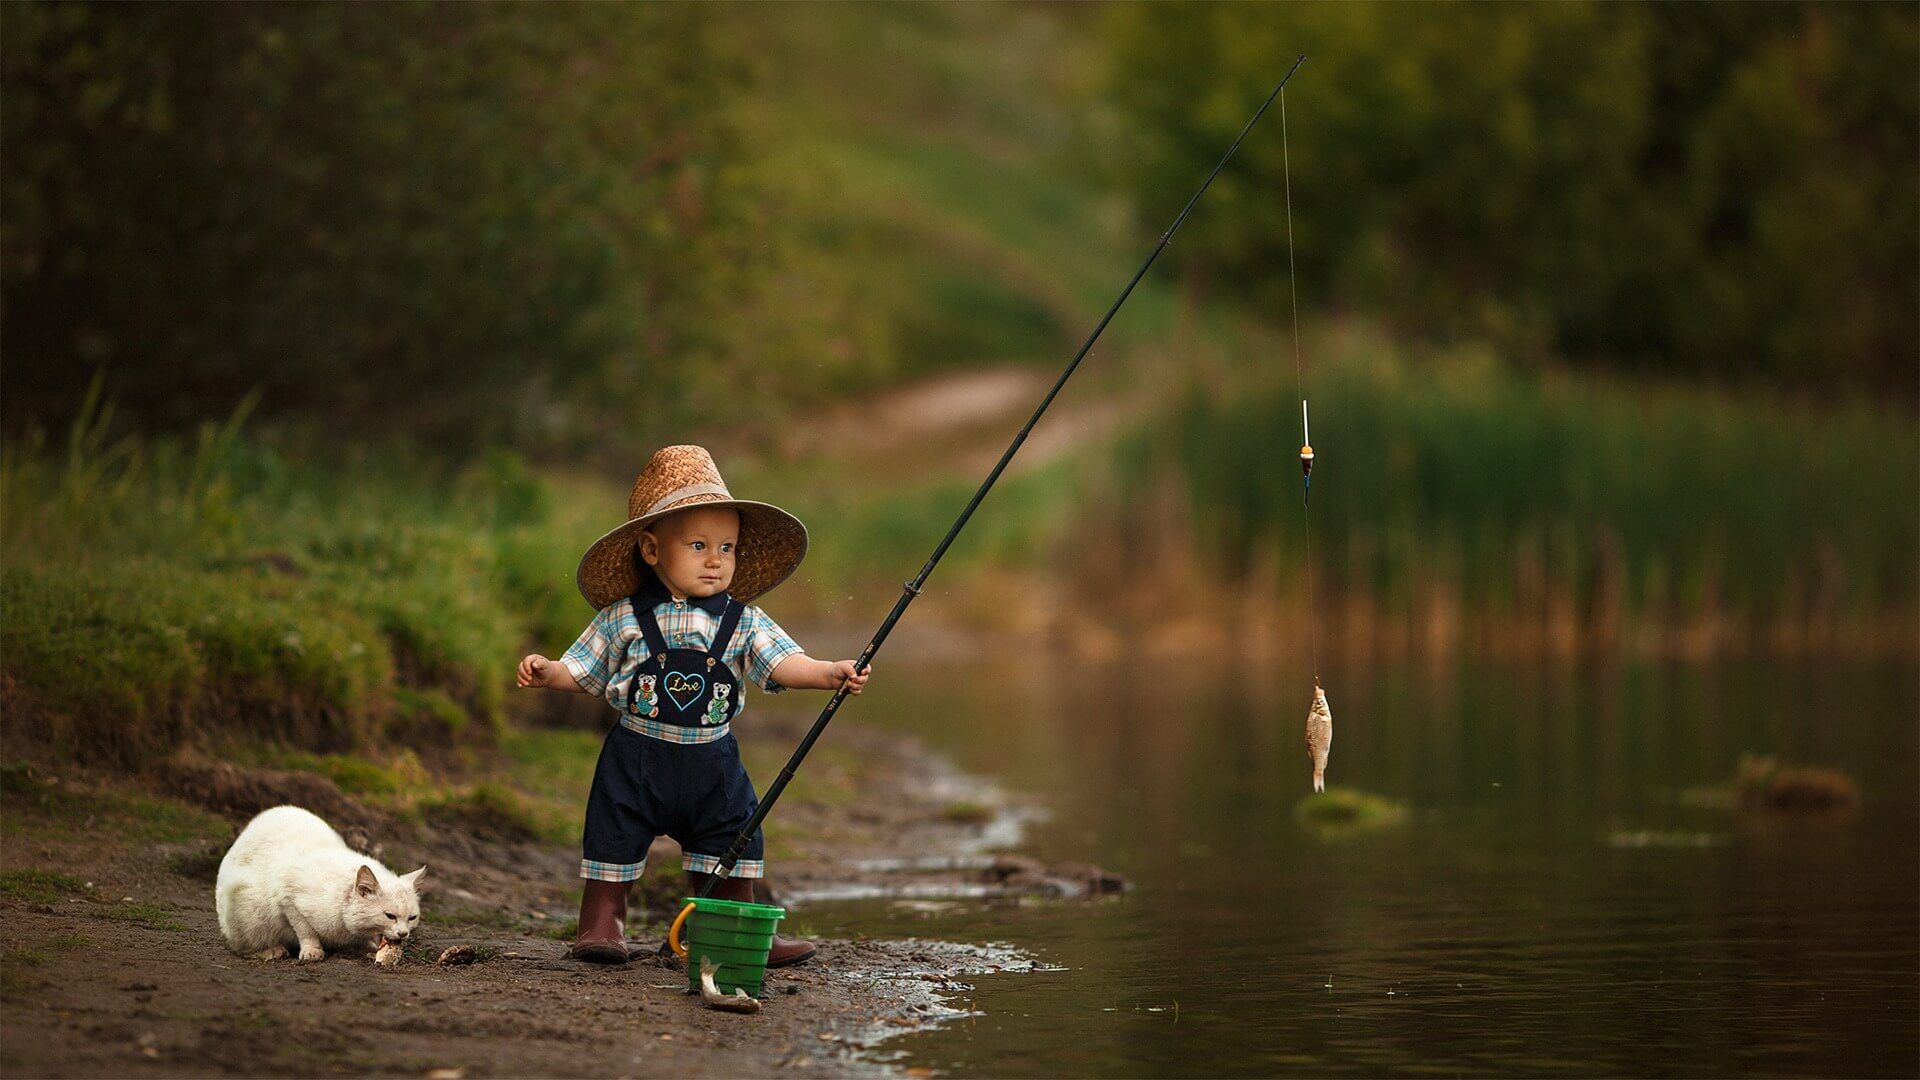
x=337 y=598
x=1451 y=489
x=356 y=610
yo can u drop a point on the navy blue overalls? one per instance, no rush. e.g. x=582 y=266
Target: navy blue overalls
x=697 y=793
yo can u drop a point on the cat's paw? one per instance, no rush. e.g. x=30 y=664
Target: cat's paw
x=278 y=952
x=312 y=954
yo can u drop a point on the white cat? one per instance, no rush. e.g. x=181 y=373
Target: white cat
x=290 y=882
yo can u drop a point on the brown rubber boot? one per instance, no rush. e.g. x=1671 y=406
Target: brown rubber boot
x=786 y=951
x=603 y=923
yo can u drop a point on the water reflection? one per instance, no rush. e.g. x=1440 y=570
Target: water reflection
x=1504 y=927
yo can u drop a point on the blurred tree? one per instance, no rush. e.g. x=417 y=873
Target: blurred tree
x=471 y=220
x=1724 y=190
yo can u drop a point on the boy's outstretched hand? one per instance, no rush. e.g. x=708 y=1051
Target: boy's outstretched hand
x=802 y=672
x=537 y=670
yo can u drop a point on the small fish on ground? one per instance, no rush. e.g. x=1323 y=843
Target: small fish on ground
x=456 y=955
x=739 y=1001
x=1319 y=736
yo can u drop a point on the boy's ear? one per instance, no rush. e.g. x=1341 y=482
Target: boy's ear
x=649 y=546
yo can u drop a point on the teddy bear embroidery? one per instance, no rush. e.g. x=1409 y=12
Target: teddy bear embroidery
x=717 y=708
x=649 y=705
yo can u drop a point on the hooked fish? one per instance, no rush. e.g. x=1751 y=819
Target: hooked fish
x=740 y=1001
x=1319 y=736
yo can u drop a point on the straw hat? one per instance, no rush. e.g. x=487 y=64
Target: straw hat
x=772 y=541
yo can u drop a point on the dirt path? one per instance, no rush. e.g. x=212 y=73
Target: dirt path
x=111 y=962
x=958 y=424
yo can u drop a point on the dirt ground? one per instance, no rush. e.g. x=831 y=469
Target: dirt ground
x=111 y=962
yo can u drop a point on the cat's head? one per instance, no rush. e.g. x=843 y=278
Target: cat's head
x=389 y=911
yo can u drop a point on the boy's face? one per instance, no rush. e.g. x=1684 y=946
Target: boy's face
x=693 y=550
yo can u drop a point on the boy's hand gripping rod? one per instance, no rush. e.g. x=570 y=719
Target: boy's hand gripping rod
x=912 y=588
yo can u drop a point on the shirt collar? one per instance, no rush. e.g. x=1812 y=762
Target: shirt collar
x=654 y=592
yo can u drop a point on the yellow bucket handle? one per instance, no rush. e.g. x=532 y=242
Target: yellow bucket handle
x=673 y=932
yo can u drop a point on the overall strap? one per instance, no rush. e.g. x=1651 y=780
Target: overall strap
x=723 y=634
x=650 y=630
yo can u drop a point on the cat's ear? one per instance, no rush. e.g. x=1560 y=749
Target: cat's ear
x=365 y=883
x=413 y=879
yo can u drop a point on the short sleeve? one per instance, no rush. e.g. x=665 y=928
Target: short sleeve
x=591 y=660
x=767 y=645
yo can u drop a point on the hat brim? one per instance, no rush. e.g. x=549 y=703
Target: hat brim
x=772 y=543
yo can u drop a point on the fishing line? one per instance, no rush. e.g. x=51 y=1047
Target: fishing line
x=912 y=588
x=1300 y=387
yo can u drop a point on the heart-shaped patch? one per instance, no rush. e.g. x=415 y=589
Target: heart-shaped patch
x=684 y=690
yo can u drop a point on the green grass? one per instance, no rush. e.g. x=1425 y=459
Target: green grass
x=47 y=887
x=1452 y=469
x=553 y=762
x=147 y=915
x=39 y=886
x=354 y=774
x=495 y=810
x=564 y=930
x=158 y=591
x=35 y=807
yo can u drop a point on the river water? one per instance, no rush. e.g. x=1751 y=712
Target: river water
x=1570 y=891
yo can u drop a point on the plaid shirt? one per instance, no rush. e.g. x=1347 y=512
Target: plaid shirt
x=609 y=653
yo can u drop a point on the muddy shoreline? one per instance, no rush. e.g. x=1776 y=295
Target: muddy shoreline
x=111 y=963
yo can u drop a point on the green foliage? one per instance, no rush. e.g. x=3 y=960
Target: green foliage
x=929 y=184
x=1725 y=190
x=1453 y=468
x=337 y=203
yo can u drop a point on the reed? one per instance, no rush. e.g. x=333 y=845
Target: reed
x=1558 y=509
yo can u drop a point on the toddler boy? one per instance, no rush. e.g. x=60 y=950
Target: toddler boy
x=674 y=643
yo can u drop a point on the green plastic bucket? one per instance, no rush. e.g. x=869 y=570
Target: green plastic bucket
x=735 y=936
x=736 y=939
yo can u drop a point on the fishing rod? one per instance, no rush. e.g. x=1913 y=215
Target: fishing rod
x=912 y=588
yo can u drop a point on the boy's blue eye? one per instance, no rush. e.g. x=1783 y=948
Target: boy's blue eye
x=726 y=547
x=698 y=544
